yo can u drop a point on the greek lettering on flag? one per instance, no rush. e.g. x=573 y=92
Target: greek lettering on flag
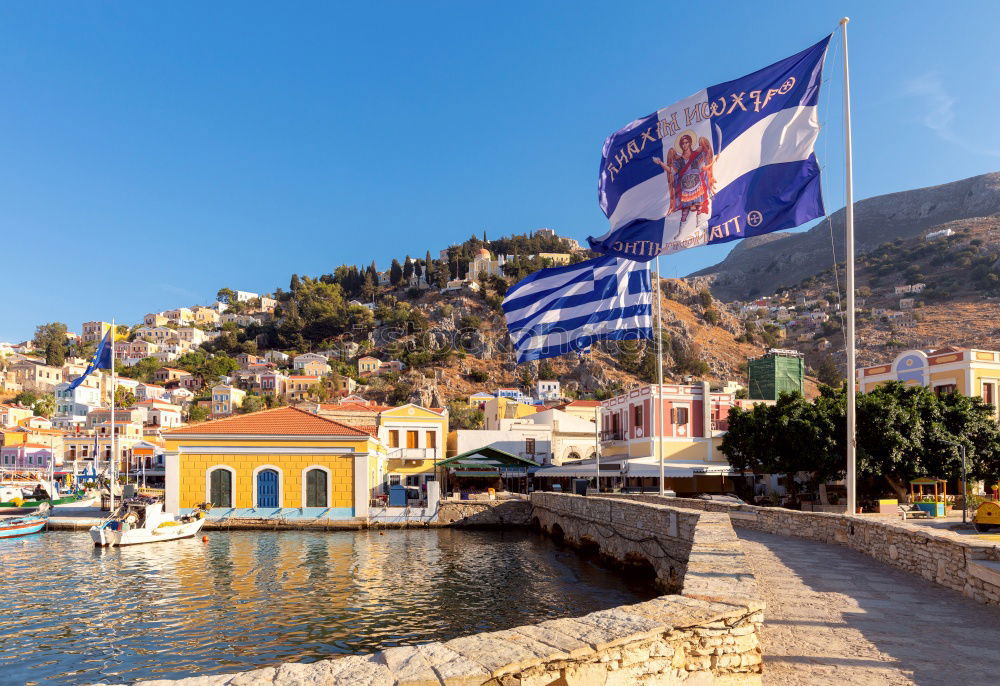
x=102 y=359
x=565 y=309
x=731 y=161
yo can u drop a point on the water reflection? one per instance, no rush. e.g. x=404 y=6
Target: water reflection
x=76 y=614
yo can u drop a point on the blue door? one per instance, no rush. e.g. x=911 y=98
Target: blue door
x=267 y=488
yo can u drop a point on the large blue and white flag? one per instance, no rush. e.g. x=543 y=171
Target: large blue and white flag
x=565 y=309
x=102 y=359
x=731 y=161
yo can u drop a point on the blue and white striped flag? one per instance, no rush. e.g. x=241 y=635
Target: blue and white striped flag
x=565 y=309
x=731 y=161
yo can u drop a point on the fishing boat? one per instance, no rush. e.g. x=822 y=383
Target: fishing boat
x=13 y=527
x=142 y=520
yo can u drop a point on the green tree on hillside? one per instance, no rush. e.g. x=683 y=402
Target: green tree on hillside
x=51 y=338
x=226 y=295
x=395 y=273
x=828 y=373
x=407 y=269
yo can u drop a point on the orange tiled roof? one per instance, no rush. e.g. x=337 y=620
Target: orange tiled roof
x=280 y=420
x=304 y=378
x=369 y=429
x=581 y=403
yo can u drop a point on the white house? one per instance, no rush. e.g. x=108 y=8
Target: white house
x=547 y=390
x=531 y=441
x=243 y=296
x=300 y=361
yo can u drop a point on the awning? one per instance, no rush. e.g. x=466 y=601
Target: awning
x=635 y=468
x=479 y=475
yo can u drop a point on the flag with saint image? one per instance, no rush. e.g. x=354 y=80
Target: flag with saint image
x=731 y=161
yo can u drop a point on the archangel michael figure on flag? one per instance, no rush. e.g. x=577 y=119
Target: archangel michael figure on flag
x=689 y=177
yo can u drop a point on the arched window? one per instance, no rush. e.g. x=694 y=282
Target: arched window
x=220 y=487
x=316 y=488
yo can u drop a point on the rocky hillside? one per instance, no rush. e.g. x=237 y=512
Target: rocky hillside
x=700 y=342
x=957 y=304
x=761 y=265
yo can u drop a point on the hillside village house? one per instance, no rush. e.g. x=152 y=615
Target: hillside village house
x=149 y=391
x=131 y=352
x=546 y=390
x=226 y=400
x=154 y=319
x=368 y=365
x=584 y=409
x=273 y=383
x=282 y=462
x=205 y=316
x=168 y=374
x=313 y=368
x=246 y=360
x=179 y=316
x=72 y=407
x=36 y=376
x=92 y=332
x=950 y=369
x=479 y=400
x=161 y=414
x=12 y=415
x=244 y=296
x=276 y=356
x=358 y=413
x=300 y=386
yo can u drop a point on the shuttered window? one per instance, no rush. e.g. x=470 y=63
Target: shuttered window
x=221 y=488
x=316 y=488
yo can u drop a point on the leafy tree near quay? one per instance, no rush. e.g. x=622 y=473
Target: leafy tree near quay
x=902 y=433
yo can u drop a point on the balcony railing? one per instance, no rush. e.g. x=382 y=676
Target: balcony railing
x=612 y=435
x=412 y=453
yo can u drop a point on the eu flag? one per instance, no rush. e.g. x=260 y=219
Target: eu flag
x=103 y=359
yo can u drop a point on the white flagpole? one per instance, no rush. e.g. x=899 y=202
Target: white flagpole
x=114 y=456
x=597 y=445
x=849 y=248
x=659 y=374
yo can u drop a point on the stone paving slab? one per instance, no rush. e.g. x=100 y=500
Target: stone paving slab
x=835 y=616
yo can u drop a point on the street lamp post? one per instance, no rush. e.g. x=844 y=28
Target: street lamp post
x=965 y=481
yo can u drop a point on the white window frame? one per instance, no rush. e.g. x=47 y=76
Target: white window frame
x=281 y=483
x=208 y=483
x=329 y=484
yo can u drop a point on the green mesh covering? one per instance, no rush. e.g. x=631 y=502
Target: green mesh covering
x=773 y=374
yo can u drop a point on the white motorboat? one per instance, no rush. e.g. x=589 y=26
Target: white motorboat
x=141 y=520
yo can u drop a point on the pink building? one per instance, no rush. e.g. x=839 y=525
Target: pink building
x=26 y=456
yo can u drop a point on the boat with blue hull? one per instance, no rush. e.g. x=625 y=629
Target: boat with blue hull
x=23 y=526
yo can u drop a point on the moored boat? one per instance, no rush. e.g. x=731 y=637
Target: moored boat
x=13 y=527
x=142 y=520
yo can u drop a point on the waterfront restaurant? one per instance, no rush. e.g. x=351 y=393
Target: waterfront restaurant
x=279 y=463
x=476 y=471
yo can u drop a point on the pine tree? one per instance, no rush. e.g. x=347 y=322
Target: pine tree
x=294 y=284
x=407 y=269
x=417 y=269
x=395 y=273
x=429 y=269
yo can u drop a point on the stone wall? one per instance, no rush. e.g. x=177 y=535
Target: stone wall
x=707 y=634
x=965 y=564
x=472 y=513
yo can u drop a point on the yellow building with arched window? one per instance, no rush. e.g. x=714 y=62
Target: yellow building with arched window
x=283 y=462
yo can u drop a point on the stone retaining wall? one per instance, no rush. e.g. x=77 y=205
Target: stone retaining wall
x=962 y=563
x=708 y=634
x=472 y=513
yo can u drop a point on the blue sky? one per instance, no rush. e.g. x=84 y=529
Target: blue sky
x=153 y=153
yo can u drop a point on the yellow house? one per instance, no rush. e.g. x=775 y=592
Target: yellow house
x=495 y=409
x=556 y=258
x=282 y=462
x=415 y=438
x=967 y=371
x=205 y=316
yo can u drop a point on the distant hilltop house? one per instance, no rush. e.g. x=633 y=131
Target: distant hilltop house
x=372 y=365
x=910 y=288
x=943 y=233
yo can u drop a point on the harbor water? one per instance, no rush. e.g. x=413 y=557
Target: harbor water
x=75 y=614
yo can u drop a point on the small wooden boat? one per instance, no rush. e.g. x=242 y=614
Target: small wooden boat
x=142 y=520
x=13 y=527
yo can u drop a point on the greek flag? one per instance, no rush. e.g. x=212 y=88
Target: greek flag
x=565 y=309
x=102 y=359
x=731 y=161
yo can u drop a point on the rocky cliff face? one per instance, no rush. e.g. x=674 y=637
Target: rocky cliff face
x=760 y=265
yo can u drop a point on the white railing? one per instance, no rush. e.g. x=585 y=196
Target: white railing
x=412 y=453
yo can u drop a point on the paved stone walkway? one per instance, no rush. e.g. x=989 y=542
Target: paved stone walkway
x=835 y=616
